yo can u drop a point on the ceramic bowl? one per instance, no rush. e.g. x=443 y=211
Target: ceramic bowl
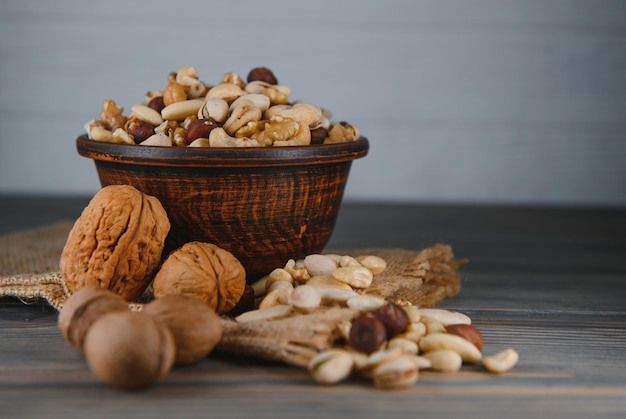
x=264 y=205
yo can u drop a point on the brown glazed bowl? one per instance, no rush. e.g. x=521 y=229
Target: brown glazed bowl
x=264 y=205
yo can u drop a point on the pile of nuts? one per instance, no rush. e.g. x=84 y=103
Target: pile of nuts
x=256 y=112
x=114 y=251
x=387 y=342
x=131 y=350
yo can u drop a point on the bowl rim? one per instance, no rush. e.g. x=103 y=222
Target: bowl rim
x=223 y=156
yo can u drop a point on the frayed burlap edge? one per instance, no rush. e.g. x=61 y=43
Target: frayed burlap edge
x=422 y=278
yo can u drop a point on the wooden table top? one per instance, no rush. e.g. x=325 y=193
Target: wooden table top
x=549 y=282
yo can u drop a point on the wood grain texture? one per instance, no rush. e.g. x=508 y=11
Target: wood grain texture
x=463 y=101
x=549 y=282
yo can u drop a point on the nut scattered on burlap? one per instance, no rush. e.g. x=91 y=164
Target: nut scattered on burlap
x=29 y=270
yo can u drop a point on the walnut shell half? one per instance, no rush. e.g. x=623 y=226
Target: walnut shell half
x=116 y=243
x=203 y=271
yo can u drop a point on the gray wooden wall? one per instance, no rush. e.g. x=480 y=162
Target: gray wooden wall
x=506 y=101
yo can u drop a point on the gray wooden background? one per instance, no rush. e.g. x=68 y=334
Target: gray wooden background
x=506 y=101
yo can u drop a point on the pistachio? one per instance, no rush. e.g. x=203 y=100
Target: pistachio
x=331 y=366
x=214 y=108
x=396 y=373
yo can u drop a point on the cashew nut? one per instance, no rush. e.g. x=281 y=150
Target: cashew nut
x=219 y=138
x=260 y=101
x=234 y=78
x=502 y=361
x=244 y=112
x=302 y=137
x=305 y=113
x=187 y=76
x=277 y=94
x=227 y=91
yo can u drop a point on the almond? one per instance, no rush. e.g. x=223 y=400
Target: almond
x=467 y=332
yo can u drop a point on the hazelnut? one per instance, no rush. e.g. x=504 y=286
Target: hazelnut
x=467 y=332
x=196 y=327
x=367 y=333
x=83 y=308
x=129 y=350
x=174 y=92
x=157 y=103
x=140 y=130
x=393 y=317
x=200 y=128
x=318 y=135
x=262 y=74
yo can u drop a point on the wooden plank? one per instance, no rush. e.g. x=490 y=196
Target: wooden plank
x=565 y=317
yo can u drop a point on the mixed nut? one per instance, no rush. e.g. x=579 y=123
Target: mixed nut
x=256 y=112
x=387 y=342
x=113 y=253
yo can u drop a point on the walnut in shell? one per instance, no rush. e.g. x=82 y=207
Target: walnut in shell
x=116 y=243
x=203 y=271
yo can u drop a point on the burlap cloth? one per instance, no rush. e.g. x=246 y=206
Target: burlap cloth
x=29 y=263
